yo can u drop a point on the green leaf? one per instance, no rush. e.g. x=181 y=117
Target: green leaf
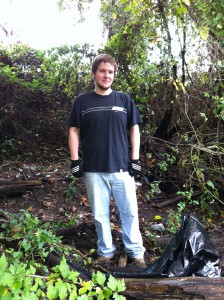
x=184 y=162
x=3 y=262
x=64 y=268
x=84 y=297
x=82 y=290
x=116 y=285
x=87 y=285
x=91 y=251
x=17 y=284
x=26 y=245
x=45 y=269
x=204 y=32
x=73 y=276
x=100 y=293
x=99 y=278
x=118 y=297
x=7 y=280
x=112 y=283
x=63 y=292
x=51 y=292
x=2 y=289
x=73 y=295
x=121 y=285
x=210 y=184
x=34 y=288
x=107 y=293
x=17 y=254
x=7 y=296
x=29 y=296
x=200 y=174
x=40 y=281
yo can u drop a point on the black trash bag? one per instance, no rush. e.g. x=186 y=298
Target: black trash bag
x=190 y=252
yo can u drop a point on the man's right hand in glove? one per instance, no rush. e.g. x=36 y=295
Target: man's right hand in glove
x=76 y=168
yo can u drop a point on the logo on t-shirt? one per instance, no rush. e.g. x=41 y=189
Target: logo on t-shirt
x=118 y=108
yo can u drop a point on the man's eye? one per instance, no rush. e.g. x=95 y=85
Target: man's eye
x=105 y=72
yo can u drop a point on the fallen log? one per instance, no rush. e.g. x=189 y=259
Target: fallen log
x=71 y=231
x=173 y=200
x=10 y=188
x=175 y=288
x=22 y=182
x=54 y=259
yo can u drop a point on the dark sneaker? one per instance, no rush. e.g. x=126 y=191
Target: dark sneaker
x=138 y=262
x=103 y=260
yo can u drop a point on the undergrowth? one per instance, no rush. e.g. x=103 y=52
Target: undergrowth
x=25 y=244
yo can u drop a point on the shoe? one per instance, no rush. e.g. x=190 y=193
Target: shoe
x=103 y=260
x=138 y=262
x=122 y=262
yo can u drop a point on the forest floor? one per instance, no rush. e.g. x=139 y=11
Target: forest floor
x=53 y=200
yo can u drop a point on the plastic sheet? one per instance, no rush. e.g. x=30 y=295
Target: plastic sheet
x=190 y=252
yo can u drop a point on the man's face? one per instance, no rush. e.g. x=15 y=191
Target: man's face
x=104 y=76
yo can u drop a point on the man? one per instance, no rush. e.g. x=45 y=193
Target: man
x=101 y=120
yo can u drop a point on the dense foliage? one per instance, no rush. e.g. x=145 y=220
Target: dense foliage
x=36 y=94
x=170 y=56
x=25 y=273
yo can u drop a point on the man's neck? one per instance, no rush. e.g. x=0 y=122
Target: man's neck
x=102 y=92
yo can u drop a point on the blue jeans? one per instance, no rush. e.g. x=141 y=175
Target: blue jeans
x=121 y=186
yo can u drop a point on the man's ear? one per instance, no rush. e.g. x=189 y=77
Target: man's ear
x=93 y=76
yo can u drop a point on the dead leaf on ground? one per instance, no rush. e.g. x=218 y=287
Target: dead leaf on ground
x=74 y=209
x=48 y=204
x=85 y=201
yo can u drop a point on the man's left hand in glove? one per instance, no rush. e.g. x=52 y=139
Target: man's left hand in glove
x=134 y=168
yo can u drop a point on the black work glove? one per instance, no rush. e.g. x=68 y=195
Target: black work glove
x=134 y=167
x=76 y=168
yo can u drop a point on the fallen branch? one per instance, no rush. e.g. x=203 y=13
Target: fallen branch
x=18 y=187
x=198 y=146
x=12 y=188
x=174 y=200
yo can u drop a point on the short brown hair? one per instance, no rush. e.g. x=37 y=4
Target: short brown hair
x=106 y=58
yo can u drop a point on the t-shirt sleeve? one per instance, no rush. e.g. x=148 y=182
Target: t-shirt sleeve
x=74 y=117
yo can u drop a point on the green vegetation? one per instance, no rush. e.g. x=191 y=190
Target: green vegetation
x=24 y=273
x=20 y=281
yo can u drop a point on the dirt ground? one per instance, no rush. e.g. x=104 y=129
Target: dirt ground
x=53 y=201
x=55 y=198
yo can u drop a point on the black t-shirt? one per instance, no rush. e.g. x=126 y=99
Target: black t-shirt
x=104 y=123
